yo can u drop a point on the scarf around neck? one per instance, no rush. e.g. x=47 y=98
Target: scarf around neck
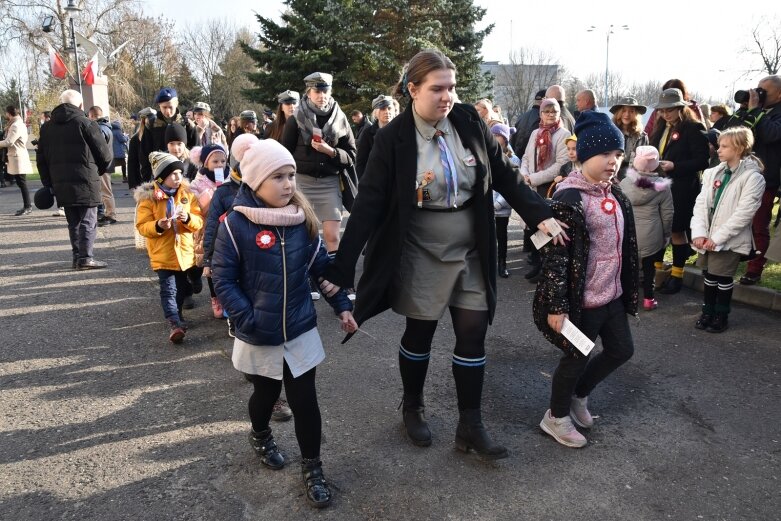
x=289 y=215
x=336 y=126
x=545 y=143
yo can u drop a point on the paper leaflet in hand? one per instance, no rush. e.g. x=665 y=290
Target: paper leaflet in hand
x=576 y=337
x=540 y=238
x=219 y=176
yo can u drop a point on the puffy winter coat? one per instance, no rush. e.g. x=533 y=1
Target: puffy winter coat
x=652 y=204
x=264 y=285
x=72 y=153
x=203 y=188
x=730 y=225
x=168 y=249
x=221 y=203
x=16 y=143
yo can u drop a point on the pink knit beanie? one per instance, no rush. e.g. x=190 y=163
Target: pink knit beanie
x=261 y=160
x=646 y=159
x=241 y=144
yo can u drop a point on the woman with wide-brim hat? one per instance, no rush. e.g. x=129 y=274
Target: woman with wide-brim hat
x=683 y=153
x=627 y=114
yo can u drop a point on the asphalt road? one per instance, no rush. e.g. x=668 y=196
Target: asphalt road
x=102 y=418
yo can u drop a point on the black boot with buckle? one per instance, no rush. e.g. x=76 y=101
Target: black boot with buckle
x=317 y=491
x=471 y=434
x=265 y=447
x=414 y=420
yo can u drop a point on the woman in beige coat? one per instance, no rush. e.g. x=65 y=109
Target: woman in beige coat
x=19 y=165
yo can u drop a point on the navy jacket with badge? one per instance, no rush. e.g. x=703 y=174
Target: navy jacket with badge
x=265 y=290
x=222 y=201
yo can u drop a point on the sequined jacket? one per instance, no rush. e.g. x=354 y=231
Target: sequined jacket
x=562 y=284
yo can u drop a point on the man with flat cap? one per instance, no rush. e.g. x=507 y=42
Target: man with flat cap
x=384 y=109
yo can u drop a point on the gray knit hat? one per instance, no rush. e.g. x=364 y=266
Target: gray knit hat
x=163 y=164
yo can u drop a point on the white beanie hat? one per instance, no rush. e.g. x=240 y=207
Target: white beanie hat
x=261 y=160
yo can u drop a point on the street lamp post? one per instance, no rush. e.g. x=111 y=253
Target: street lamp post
x=607 y=51
x=72 y=9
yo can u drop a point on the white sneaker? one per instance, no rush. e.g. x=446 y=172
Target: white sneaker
x=59 y=213
x=351 y=294
x=315 y=295
x=579 y=412
x=562 y=430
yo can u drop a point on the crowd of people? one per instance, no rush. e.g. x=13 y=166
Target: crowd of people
x=255 y=209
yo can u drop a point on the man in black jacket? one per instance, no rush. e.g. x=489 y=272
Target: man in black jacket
x=526 y=124
x=763 y=117
x=72 y=154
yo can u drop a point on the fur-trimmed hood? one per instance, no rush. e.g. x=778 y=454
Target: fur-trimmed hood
x=146 y=191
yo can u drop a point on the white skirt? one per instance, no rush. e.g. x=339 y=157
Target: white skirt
x=301 y=354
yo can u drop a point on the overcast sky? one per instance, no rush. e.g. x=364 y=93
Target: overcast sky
x=698 y=41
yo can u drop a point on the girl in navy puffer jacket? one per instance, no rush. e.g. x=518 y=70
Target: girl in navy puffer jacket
x=264 y=253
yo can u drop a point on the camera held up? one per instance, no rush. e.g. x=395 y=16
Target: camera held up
x=742 y=96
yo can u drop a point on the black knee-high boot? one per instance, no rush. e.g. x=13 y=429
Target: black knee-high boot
x=413 y=368
x=470 y=433
x=709 y=290
x=723 y=301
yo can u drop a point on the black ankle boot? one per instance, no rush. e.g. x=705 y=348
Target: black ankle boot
x=317 y=491
x=503 y=268
x=471 y=434
x=719 y=323
x=414 y=420
x=265 y=447
x=704 y=321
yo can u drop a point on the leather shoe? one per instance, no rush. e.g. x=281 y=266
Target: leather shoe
x=749 y=279
x=90 y=264
x=415 y=421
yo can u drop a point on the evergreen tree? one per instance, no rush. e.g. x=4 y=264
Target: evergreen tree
x=364 y=45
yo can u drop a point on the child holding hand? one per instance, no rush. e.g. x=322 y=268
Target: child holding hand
x=266 y=250
x=167 y=214
x=592 y=280
x=721 y=225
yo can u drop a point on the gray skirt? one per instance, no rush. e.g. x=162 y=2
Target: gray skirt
x=440 y=266
x=719 y=263
x=323 y=194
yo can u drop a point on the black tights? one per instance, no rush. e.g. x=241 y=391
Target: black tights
x=470 y=328
x=501 y=236
x=302 y=397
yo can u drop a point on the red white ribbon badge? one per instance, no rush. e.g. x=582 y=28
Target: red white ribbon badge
x=675 y=136
x=608 y=206
x=265 y=240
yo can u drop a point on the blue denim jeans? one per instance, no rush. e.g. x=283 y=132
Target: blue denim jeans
x=579 y=375
x=173 y=289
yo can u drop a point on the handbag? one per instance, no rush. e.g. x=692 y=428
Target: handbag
x=138 y=239
x=348 y=185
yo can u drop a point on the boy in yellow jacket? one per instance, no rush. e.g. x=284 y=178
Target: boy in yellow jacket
x=167 y=214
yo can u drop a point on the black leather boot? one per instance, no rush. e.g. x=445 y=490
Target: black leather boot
x=719 y=323
x=317 y=491
x=415 y=421
x=672 y=286
x=503 y=268
x=265 y=447
x=471 y=434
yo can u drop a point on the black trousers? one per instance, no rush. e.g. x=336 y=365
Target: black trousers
x=501 y=236
x=21 y=182
x=579 y=375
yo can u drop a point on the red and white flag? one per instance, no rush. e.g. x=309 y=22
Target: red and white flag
x=91 y=70
x=56 y=65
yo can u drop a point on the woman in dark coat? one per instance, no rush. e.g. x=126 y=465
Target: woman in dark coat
x=322 y=143
x=432 y=238
x=683 y=153
x=384 y=109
